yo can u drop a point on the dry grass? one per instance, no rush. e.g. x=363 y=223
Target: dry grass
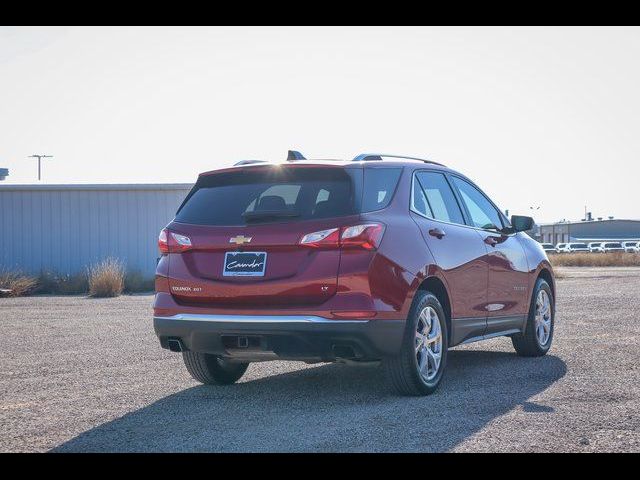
x=618 y=259
x=15 y=283
x=106 y=279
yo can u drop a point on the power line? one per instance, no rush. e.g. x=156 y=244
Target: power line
x=40 y=157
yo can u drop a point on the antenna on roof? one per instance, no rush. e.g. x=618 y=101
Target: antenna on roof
x=292 y=155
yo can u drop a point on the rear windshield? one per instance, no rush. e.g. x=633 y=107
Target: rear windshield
x=274 y=194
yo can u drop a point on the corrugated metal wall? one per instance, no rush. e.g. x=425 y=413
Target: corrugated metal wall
x=64 y=228
x=616 y=229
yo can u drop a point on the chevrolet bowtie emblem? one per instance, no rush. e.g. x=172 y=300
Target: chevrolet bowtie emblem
x=240 y=239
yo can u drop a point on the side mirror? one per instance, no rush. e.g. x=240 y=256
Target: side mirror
x=520 y=223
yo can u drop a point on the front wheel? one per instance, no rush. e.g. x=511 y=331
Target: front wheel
x=536 y=339
x=417 y=369
x=212 y=369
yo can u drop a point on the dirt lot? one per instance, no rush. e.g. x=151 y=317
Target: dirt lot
x=84 y=374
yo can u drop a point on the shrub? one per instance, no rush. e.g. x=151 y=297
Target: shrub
x=15 y=283
x=106 y=279
x=136 y=282
x=613 y=259
x=53 y=283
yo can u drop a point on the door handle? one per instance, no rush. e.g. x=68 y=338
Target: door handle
x=491 y=241
x=437 y=232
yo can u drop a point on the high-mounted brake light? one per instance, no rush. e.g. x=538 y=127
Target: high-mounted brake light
x=171 y=242
x=366 y=236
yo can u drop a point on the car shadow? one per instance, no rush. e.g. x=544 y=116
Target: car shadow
x=332 y=408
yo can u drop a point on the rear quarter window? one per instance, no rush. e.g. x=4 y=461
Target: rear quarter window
x=379 y=186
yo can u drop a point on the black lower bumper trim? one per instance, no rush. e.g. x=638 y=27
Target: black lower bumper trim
x=323 y=340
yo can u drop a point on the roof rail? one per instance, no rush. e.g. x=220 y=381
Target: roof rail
x=365 y=157
x=249 y=162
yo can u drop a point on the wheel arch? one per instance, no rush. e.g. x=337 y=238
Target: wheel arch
x=547 y=275
x=436 y=286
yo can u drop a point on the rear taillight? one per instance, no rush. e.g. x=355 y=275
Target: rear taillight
x=322 y=239
x=366 y=236
x=171 y=242
x=163 y=244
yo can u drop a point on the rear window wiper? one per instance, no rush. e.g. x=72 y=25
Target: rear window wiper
x=267 y=214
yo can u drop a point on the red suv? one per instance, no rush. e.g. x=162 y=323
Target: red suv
x=382 y=258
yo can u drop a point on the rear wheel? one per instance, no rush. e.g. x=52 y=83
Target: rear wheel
x=418 y=368
x=538 y=334
x=212 y=369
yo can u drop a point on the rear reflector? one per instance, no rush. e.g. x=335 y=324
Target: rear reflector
x=366 y=236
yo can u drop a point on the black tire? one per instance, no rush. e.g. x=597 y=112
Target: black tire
x=403 y=369
x=527 y=344
x=213 y=370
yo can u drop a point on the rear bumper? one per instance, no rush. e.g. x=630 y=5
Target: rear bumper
x=268 y=337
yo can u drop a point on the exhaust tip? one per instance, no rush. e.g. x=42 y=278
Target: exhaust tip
x=344 y=351
x=175 y=345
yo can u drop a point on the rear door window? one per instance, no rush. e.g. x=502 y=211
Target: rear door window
x=441 y=203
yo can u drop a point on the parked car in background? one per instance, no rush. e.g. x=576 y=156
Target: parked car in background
x=577 y=248
x=562 y=248
x=631 y=247
x=381 y=258
x=548 y=247
x=610 y=247
x=596 y=247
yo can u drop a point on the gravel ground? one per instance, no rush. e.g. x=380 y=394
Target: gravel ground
x=84 y=374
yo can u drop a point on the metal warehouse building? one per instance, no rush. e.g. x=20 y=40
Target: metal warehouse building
x=592 y=230
x=65 y=228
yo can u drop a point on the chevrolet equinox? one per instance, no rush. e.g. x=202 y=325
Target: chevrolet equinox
x=380 y=259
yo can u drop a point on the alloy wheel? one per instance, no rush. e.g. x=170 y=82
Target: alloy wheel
x=543 y=317
x=428 y=343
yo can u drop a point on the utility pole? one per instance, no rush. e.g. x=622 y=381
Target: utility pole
x=40 y=157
